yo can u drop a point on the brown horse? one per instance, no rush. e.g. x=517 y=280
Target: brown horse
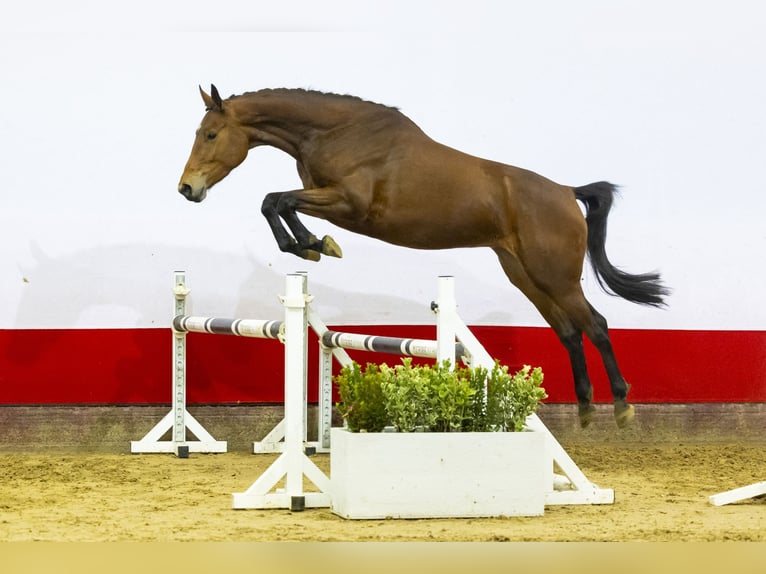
x=368 y=168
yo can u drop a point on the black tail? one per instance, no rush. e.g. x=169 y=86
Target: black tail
x=645 y=288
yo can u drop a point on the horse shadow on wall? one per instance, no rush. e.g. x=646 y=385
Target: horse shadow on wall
x=98 y=288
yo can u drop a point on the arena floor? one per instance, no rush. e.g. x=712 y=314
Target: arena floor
x=661 y=495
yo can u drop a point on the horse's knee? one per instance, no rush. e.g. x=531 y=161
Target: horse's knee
x=269 y=204
x=285 y=204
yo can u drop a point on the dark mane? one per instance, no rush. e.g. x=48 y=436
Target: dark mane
x=301 y=92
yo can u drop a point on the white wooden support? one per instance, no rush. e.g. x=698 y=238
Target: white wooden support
x=575 y=488
x=178 y=420
x=292 y=464
x=273 y=441
x=445 y=308
x=738 y=494
x=325 y=380
x=571 y=488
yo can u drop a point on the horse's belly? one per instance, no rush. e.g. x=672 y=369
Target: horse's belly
x=431 y=232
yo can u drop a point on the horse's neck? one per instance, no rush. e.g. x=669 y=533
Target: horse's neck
x=264 y=127
x=286 y=122
x=293 y=121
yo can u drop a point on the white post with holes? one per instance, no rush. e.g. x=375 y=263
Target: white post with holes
x=178 y=421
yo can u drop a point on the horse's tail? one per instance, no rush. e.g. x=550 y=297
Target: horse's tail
x=644 y=288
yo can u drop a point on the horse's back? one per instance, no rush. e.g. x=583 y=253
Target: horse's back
x=468 y=183
x=408 y=189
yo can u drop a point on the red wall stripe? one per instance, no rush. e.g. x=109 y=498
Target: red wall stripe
x=133 y=366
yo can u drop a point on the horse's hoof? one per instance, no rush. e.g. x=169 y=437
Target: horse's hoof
x=329 y=247
x=311 y=255
x=586 y=412
x=624 y=414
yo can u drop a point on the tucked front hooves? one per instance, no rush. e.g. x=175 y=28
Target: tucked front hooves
x=329 y=247
x=624 y=413
x=309 y=254
x=317 y=248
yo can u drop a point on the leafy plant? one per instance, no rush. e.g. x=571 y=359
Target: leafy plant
x=512 y=398
x=425 y=397
x=408 y=402
x=438 y=398
x=363 y=406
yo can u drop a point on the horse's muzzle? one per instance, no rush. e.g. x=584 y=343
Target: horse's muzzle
x=186 y=190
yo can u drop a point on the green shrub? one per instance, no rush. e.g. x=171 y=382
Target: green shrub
x=363 y=406
x=437 y=398
x=512 y=398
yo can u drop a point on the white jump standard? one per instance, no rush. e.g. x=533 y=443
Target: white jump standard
x=454 y=341
x=293 y=464
x=179 y=420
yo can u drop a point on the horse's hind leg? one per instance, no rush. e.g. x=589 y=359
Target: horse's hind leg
x=598 y=333
x=565 y=308
x=569 y=333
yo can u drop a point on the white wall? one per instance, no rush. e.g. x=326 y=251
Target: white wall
x=99 y=104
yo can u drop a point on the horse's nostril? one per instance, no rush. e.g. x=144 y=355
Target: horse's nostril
x=185 y=190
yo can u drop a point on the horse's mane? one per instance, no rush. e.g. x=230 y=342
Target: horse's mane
x=301 y=92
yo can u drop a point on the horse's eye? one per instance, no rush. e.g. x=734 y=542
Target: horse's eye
x=211 y=135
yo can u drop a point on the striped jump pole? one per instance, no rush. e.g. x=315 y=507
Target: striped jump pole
x=179 y=420
x=255 y=328
x=292 y=464
x=334 y=344
x=444 y=348
x=381 y=344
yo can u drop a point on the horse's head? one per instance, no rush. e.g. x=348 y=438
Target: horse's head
x=220 y=145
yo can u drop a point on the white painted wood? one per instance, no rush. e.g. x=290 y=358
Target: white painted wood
x=435 y=475
x=178 y=420
x=292 y=464
x=738 y=494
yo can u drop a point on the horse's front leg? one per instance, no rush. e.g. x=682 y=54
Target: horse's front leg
x=286 y=242
x=280 y=206
x=319 y=202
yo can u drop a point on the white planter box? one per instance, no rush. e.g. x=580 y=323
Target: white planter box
x=438 y=475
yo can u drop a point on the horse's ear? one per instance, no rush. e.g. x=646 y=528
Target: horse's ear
x=212 y=101
x=216 y=98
